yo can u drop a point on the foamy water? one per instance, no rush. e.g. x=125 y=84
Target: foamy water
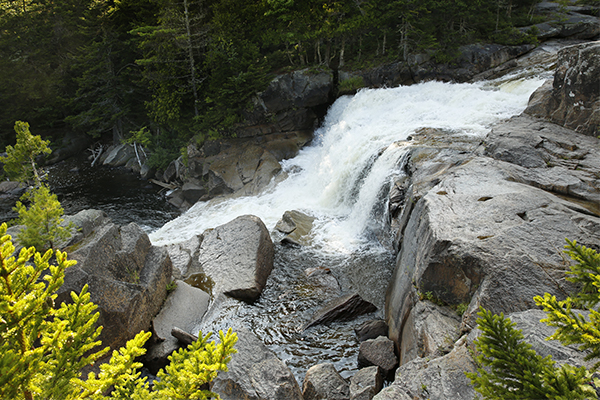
x=354 y=154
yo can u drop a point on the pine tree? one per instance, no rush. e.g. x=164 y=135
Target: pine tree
x=42 y=221
x=44 y=346
x=513 y=370
x=19 y=162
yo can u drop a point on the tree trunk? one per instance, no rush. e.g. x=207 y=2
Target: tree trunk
x=191 y=56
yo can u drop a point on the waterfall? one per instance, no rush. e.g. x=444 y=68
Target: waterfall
x=339 y=178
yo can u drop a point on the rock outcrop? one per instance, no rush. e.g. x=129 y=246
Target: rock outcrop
x=482 y=224
x=573 y=99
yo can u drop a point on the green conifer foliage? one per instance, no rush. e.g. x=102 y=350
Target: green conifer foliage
x=42 y=220
x=43 y=346
x=19 y=162
x=513 y=370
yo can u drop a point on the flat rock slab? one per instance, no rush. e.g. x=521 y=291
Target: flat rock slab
x=343 y=308
x=238 y=257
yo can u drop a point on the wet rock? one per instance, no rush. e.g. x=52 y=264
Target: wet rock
x=438 y=379
x=322 y=381
x=244 y=169
x=127 y=279
x=296 y=225
x=378 y=352
x=255 y=373
x=238 y=257
x=430 y=330
x=366 y=383
x=371 y=330
x=343 y=308
x=323 y=279
x=574 y=100
x=184 y=309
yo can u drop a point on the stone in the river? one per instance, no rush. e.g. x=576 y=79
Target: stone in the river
x=322 y=381
x=238 y=257
x=343 y=308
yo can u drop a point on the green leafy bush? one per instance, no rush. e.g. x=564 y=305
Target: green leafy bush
x=511 y=369
x=44 y=347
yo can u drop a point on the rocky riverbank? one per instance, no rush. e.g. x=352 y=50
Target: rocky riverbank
x=475 y=223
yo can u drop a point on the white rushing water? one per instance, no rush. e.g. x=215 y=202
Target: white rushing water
x=339 y=176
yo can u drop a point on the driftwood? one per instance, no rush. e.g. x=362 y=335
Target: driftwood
x=183 y=336
x=165 y=185
x=96 y=153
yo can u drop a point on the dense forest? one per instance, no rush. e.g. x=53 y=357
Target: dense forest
x=163 y=71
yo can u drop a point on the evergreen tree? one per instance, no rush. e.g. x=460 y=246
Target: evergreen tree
x=19 y=162
x=513 y=370
x=44 y=347
x=42 y=220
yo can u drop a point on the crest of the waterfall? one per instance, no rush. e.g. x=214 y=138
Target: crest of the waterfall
x=342 y=177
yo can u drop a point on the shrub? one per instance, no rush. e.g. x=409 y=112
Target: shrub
x=513 y=370
x=44 y=348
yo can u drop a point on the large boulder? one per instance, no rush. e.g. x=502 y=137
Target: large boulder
x=574 y=98
x=366 y=383
x=237 y=257
x=322 y=381
x=255 y=373
x=243 y=169
x=117 y=155
x=127 y=279
x=298 y=89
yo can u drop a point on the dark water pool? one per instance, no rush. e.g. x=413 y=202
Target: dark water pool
x=123 y=195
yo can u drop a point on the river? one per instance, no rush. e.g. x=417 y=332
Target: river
x=342 y=179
